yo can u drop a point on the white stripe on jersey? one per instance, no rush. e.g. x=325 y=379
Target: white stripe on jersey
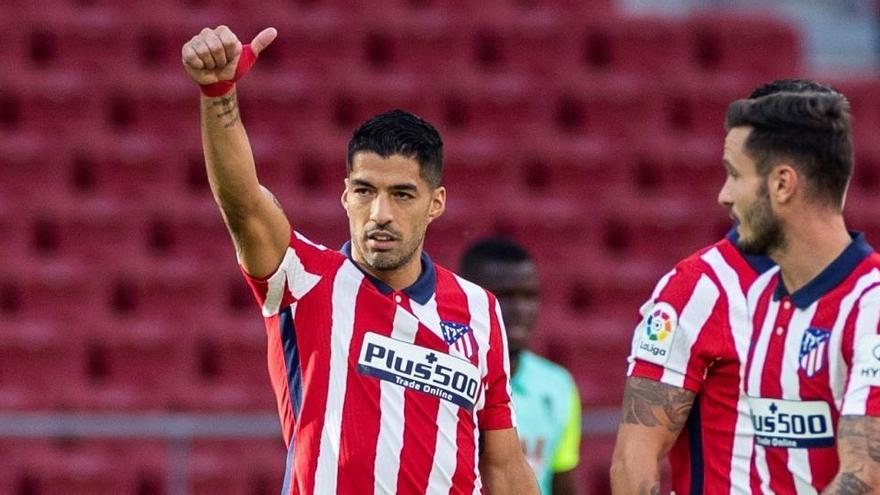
x=691 y=321
x=741 y=330
x=759 y=353
x=391 y=424
x=445 y=459
x=798 y=459
x=643 y=310
x=345 y=288
x=866 y=324
x=478 y=482
x=299 y=282
x=478 y=306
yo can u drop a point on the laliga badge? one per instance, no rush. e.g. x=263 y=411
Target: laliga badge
x=656 y=333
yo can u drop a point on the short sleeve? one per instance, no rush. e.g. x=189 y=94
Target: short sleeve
x=567 y=452
x=497 y=412
x=862 y=344
x=302 y=267
x=681 y=330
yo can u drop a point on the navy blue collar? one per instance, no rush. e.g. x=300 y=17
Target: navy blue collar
x=831 y=276
x=421 y=291
x=758 y=262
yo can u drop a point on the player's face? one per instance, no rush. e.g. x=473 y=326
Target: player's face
x=746 y=196
x=389 y=207
x=516 y=287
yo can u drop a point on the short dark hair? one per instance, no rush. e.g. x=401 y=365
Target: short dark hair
x=492 y=249
x=791 y=86
x=401 y=133
x=810 y=129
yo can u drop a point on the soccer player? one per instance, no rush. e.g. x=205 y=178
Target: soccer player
x=390 y=372
x=545 y=397
x=813 y=371
x=684 y=392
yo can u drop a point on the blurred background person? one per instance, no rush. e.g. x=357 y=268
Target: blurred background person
x=545 y=397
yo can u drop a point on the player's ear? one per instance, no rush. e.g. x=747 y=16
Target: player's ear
x=783 y=183
x=344 y=198
x=438 y=203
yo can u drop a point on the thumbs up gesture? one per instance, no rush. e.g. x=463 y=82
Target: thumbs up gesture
x=213 y=55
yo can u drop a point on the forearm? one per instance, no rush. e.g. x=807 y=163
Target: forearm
x=848 y=483
x=228 y=156
x=512 y=478
x=635 y=475
x=858 y=448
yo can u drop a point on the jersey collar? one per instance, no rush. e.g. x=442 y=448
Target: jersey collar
x=421 y=291
x=831 y=276
x=758 y=262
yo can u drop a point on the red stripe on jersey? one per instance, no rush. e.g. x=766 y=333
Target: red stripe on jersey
x=278 y=377
x=361 y=413
x=452 y=305
x=315 y=365
x=417 y=453
x=823 y=461
x=496 y=415
x=757 y=324
x=647 y=370
x=771 y=387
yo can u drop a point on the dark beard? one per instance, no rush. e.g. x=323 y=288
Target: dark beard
x=766 y=227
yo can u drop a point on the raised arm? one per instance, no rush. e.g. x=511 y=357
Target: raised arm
x=259 y=228
x=653 y=415
x=858 y=447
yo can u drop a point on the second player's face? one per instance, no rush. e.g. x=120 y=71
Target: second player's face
x=745 y=195
x=389 y=207
x=516 y=287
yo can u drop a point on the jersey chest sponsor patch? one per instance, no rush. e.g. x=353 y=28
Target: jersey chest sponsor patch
x=656 y=333
x=792 y=423
x=419 y=368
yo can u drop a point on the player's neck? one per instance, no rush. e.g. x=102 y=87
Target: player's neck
x=400 y=278
x=812 y=242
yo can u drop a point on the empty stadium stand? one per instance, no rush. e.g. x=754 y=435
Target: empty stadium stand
x=591 y=136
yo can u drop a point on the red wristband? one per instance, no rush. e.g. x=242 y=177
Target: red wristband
x=245 y=62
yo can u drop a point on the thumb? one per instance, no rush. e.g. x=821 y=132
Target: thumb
x=262 y=40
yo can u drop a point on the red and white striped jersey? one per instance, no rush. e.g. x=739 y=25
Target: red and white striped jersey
x=694 y=334
x=381 y=391
x=815 y=356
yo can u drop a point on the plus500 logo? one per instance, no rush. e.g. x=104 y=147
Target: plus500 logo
x=784 y=423
x=792 y=424
x=419 y=368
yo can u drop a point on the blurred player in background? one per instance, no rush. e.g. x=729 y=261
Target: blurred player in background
x=813 y=372
x=390 y=372
x=684 y=391
x=545 y=396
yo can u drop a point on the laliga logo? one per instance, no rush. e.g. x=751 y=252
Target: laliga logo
x=659 y=326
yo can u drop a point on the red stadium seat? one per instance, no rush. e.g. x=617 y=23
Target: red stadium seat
x=28 y=348
x=612 y=107
x=132 y=366
x=254 y=467
x=745 y=43
x=633 y=45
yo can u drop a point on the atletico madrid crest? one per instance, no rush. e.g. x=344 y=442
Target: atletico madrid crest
x=460 y=338
x=813 y=350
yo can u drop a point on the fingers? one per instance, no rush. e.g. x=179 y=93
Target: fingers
x=215 y=47
x=190 y=57
x=230 y=42
x=264 y=39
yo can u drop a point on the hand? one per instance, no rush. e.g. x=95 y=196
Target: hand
x=212 y=55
